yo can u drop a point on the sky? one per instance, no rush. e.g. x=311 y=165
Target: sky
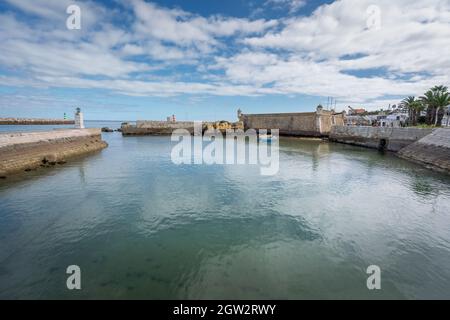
x=205 y=59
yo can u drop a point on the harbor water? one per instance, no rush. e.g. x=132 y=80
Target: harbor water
x=139 y=226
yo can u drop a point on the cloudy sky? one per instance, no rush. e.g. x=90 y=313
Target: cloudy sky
x=204 y=59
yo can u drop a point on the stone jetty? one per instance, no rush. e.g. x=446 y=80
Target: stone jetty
x=26 y=151
x=146 y=127
x=33 y=121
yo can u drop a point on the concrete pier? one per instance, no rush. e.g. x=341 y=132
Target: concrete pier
x=29 y=150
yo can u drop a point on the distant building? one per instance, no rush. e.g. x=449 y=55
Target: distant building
x=354 y=120
x=354 y=112
x=395 y=120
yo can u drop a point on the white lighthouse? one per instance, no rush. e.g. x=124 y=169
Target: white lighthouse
x=79 y=122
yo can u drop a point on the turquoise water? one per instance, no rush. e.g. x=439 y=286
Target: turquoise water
x=141 y=227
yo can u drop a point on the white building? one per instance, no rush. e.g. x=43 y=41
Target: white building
x=395 y=120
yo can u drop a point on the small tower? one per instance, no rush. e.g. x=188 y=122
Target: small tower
x=79 y=121
x=239 y=114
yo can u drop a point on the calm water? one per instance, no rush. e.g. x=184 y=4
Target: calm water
x=142 y=227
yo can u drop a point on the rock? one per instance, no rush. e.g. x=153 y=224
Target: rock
x=51 y=159
x=106 y=129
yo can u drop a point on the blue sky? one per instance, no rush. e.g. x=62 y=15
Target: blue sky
x=204 y=59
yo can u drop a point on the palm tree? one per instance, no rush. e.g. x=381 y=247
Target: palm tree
x=435 y=100
x=440 y=98
x=417 y=108
x=440 y=88
x=428 y=100
x=414 y=107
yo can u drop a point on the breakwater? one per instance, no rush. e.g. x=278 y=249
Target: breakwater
x=29 y=150
x=145 y=127
x=384 y=138
x=32 y=121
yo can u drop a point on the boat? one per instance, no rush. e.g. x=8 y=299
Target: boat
x=266 y=137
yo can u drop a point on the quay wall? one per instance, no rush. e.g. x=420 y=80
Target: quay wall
x=31 y=121
x=433 y=150
x=29 y=150
x=391 y=139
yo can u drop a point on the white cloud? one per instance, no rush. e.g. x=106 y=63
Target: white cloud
x=297 y=74
x=186 y=29
x=403 y=42
x=292 y=5
x=54 y=11
x=231 y=56
x=65 y=59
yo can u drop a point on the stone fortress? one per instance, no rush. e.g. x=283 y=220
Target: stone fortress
x=308 y=124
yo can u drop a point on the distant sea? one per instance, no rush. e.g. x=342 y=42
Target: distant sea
x=88 y=124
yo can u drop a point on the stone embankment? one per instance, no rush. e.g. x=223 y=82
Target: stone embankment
x=30 y=150
x=428 y=147
x=31 y=121
x=433 y=150
x=383 y=138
